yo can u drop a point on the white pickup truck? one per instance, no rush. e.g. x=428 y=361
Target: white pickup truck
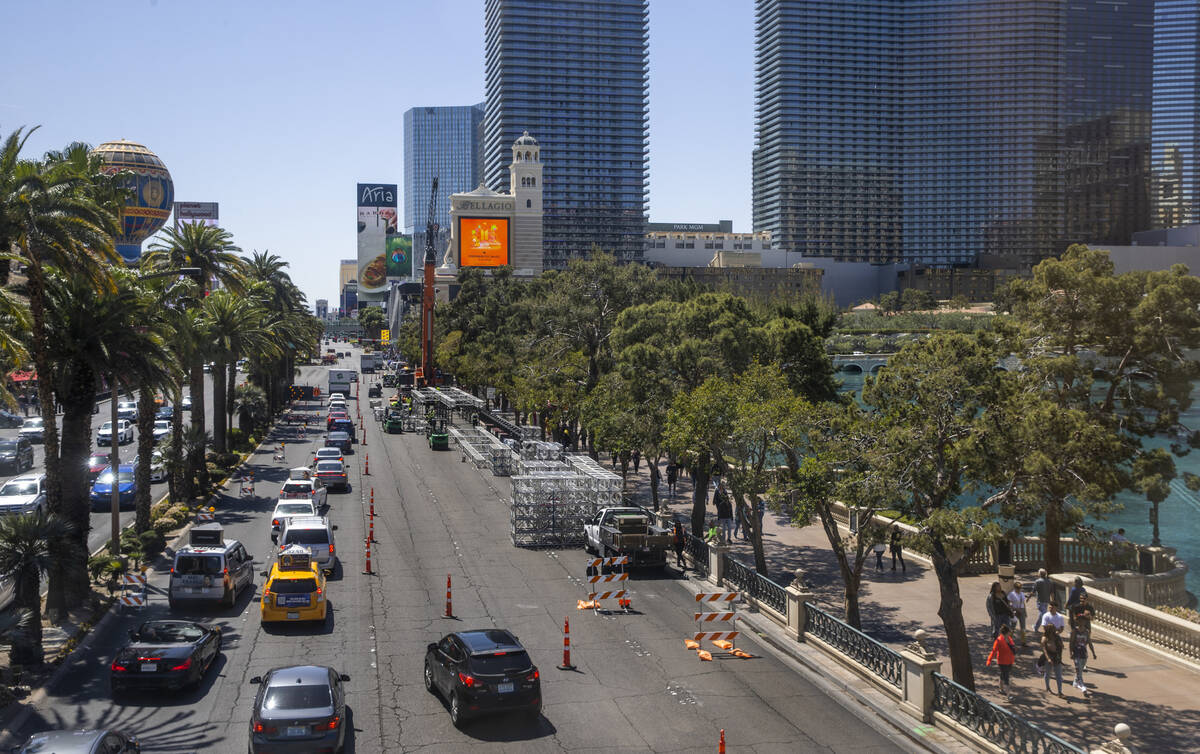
x=627 y=531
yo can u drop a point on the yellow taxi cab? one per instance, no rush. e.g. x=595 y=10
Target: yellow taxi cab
x=295 y=589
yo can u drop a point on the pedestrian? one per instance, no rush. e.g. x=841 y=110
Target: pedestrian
x=677 y=542
x=879 y=548
x=760 y=508
x=1005 y=654
x=897 y=549
x=1016 y=601
x=1043 y=590
x=1079 y=656
x=1119 y=538
x=1052 y=649
x=1051 y=619
x=724 y=513
x=637 y=460
x=1076 y=592
x=1081 y=620
x=998 y=608
x=713 y=536
x=672 y=476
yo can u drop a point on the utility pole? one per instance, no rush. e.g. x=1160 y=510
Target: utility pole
x=427 y=298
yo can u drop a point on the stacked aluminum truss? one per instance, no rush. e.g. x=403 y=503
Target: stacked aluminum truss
x=549 y=509
x=607 y=486
x=484 y=449
x=536 y=450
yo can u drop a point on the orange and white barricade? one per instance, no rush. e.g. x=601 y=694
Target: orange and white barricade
x=722 y=640
x=133 y=591
x=612 y=585
x=247 y=486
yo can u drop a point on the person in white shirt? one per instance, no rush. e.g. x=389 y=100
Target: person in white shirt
x=1052 y=618
x=1016 y=600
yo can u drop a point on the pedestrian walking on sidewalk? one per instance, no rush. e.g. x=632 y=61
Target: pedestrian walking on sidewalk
x=1052 y=618
x=1079 y=656
x=672 y=476
x=1016 y=601
x=897 y=549
x=1043 y=589
x=998 y=608
x=637 y=460
x=677 y=541
x=1005 y=654
x=1081 y=620
x=879 y=549
x=724 y=514
x=1077 y=591
x=1052 y=650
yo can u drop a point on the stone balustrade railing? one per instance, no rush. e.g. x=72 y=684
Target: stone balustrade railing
x=1175 y=636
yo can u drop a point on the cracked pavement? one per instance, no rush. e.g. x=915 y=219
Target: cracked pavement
x=635 y=689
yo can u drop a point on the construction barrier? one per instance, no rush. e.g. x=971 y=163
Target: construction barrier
x=367 y=572
x=247 y=485
x=280 y=453
x=595 y=576
x=367 y=466
x=722 y=640
x=134 y=579
x=132 y=600
x=449 y=609
x=205 y=518
x=566 y=663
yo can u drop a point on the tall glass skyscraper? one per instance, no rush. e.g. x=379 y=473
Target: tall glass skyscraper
x=442 y=142
x=1176 y=120
x=937 y=131
x=573 y=73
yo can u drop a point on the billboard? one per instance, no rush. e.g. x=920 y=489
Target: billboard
x=482 y=241
x=196 y=212
x=377 y=218
x=399 y=256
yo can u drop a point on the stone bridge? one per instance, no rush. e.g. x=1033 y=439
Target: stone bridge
x=871 y=363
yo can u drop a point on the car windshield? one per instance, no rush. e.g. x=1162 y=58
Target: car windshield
x=32 y=423
x=98 y=460
x=293 y=509
x=500 y=662
x=294 y=586
x=297 y=697
x=329 y=466
x=16 y=487
x=296 y=488
x=9 y=445
x=333 y=453
x=168 y=632
x=306 y=537
x=162 y=424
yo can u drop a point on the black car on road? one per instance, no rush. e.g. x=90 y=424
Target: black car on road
x=171 y=654
x=481 y=672
x=16 y=454
x=299 y=708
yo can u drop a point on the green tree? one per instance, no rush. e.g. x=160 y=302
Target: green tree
x=371 y=318
x=932 y=410
x=1076 y=317
x=233 y=324
x=26 y=554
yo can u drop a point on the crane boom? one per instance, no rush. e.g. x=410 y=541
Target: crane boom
x=427 y=297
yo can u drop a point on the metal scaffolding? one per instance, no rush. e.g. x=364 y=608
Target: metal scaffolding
x=549 y=509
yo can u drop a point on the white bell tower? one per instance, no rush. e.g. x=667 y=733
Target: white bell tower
x=525 y=184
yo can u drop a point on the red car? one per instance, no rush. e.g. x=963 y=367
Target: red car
x=96 y=463
x=336 y=416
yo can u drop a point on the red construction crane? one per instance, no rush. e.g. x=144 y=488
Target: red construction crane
x=427 y=299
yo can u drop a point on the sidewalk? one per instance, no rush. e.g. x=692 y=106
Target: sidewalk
x=1157 y=698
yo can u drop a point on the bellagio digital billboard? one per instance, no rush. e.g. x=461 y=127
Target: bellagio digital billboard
x=483 y=241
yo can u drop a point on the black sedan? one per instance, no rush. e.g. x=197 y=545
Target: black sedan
x=483 y=671
x=171 y=654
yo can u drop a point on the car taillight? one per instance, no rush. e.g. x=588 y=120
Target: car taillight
x=467 y=680
x=266 y=594
x=534 y=675
x=268 y=729
x=117 y=667
x=330 y=549
x=184 y=665
x=333 y=723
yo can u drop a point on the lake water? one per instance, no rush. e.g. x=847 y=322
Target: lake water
x=1179 y=514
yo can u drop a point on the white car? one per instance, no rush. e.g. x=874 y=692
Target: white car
x=328 y=454
x=158 y=469
x=337 y=397
x=305 y=489
x=127 y=410
x=124 y=433
x=286 y=508
x=186 y=404
x=34 y=428
x=23 y=494
x=162 y=428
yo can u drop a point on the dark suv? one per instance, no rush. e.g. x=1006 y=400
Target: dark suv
x=483 y=671
x=16 y=454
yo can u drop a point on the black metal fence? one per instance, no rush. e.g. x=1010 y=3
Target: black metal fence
x=754 y=584
x=994 y=723
x=698 y=550
x=884 y=662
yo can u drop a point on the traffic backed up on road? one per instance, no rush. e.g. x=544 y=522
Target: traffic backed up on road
x=23 y=494
x=16 y=454
x=286 y=508
x=170 y=654
x=101 y=494
x=210 y=569
x=294 y=589
x=299 y=708
x=481 y=672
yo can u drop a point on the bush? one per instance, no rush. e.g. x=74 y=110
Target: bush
x=228 y=460
x=1181 y=612
x=160 y=508
x=167 y=524
x=152 y=542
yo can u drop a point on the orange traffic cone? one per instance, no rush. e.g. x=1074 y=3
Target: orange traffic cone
x=368 y=571
x=566 y=663
x=721 y=743
x=367 y=466
x=449 y=610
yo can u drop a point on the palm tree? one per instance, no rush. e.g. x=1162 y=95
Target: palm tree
x=50 y=217
x=26 y=554
x=234 y=324
x=210 y=250
x=251 y=404
x=14 y=329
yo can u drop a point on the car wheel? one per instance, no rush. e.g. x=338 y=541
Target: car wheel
x=429 y=678
x=456 y=716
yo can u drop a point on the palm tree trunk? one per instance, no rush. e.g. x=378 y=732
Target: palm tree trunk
x=197 y=468
x=75 y=507
x=141 y=477
x=27 y=646
x=218 y=379
x=59 y=575
x=230 y=390
x=180 y=483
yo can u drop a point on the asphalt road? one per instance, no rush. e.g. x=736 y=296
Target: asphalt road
x=636 y=687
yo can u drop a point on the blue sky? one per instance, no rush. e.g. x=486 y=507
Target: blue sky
x=276 y=109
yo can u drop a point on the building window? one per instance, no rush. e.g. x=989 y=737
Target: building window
x=528 y=204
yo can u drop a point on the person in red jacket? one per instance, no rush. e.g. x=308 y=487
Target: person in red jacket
x=1005 y=654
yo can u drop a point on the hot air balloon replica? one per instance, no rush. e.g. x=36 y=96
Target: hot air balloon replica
x=153 y=194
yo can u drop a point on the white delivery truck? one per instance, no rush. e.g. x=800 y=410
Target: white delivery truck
x=339 y=381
